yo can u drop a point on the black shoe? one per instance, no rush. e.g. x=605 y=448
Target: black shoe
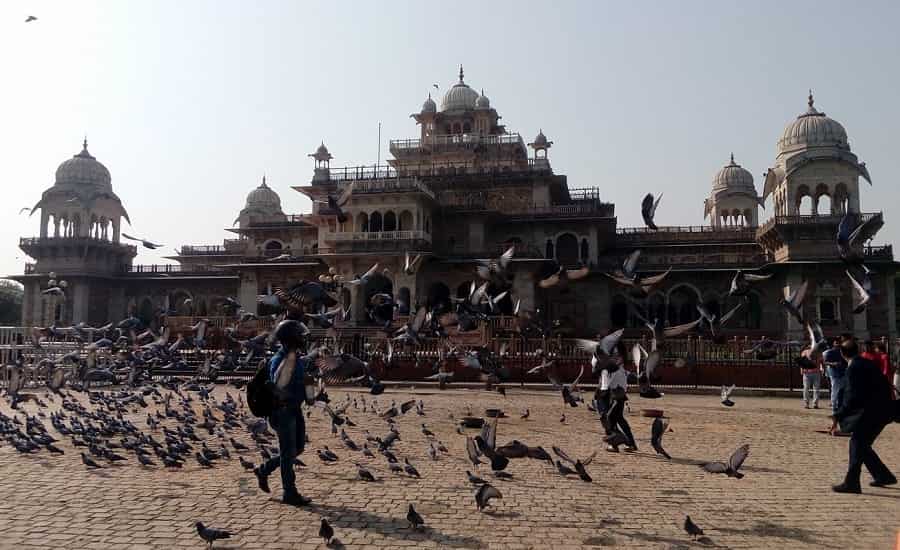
x=844 y=488
x=295 y=499
x=884 y=482
x=262 y=479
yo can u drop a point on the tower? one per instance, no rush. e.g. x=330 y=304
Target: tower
x=79 y=240
x=733 y=201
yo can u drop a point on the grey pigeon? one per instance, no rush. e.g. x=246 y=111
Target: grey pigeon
x=413 y=517
x=657 y=430
x=484 y=494
x=735 y=461
x=211 y=535
x=692 y=528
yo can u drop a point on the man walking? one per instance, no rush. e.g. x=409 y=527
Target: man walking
x=836 y=369
x=865 y=410
x=286 y=371
x=812 y=379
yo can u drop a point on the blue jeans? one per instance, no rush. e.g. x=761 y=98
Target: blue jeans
x=811 y=382
x=291 y=429
x=838 y=378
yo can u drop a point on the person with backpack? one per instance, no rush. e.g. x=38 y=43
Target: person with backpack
x=280 y=394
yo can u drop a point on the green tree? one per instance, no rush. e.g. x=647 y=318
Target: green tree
x=11 y=294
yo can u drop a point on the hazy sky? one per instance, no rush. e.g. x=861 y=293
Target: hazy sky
x=188 y=103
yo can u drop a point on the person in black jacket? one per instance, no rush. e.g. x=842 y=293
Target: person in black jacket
x=866 y=409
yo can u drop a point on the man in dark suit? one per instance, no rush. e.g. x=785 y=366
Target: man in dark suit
x=866 y=409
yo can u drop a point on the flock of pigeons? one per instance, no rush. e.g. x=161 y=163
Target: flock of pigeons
x=129 y=353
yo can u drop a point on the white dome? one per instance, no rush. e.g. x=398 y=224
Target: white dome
x=429 y=106
x=733 y=176
x=83 y=169
x=263 y=197
x=460 y=97
x=482 y=102
x=812 y=129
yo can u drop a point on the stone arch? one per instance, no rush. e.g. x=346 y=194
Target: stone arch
x=375 y=222
x=390 y=221
x=273 y=244
x=682 y=300
x=567 y=249
x=362 y=222
x=824 y=207
x=406 y=221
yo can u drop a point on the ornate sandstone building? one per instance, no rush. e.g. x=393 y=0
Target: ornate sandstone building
x=464 y=189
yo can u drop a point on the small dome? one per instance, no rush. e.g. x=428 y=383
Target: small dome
x=263 y=197
x=460 y=97
x=732 y=176
x=812 y=129
x=482 y=102
x=83 y=169
x=429 y=106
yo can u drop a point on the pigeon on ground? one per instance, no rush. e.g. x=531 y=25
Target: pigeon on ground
x=473 y=479
x=326 y=531
x=484 y=494
x=413 y=517
x=211 y=535
x=89 y=462
x=692 y=528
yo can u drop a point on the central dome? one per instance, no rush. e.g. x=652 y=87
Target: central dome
x=460 y=97
x=733 y=176
x=812 y=129
x=83 y=169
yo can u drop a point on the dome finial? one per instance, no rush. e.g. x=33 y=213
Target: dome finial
x=810 y=99
x=732 y=158
x=264 y=180
x=84 y=143
x=460 y=72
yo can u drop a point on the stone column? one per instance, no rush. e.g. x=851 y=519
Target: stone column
x=77 y=299
x=248 y=291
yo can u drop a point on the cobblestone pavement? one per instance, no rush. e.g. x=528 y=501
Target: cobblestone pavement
x=636 y=500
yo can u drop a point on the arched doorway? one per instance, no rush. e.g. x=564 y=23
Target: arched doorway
x=375 y=222
x=390 y=221
x=567 y=249
x=438 y=296
x=406 y=221
x=683 y=302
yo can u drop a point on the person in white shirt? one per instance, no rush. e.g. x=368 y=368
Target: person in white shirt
x=613 y=391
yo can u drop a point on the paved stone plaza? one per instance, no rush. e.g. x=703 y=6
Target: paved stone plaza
x=636 y=500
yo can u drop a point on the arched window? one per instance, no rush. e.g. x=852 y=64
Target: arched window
x=273 y=245
x=804 y=201
x=682 y=305
x=406 y=221
x=362 y=222
x=824 y=206
x=585 y=251
x=390 y=221
x=375 y=222
x=457 y=128
x=567 y=249
x=467 y=128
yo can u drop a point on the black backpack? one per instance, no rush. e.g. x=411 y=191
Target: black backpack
x=260 y=393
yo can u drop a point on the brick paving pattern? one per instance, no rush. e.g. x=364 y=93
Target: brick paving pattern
x=636 y=500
